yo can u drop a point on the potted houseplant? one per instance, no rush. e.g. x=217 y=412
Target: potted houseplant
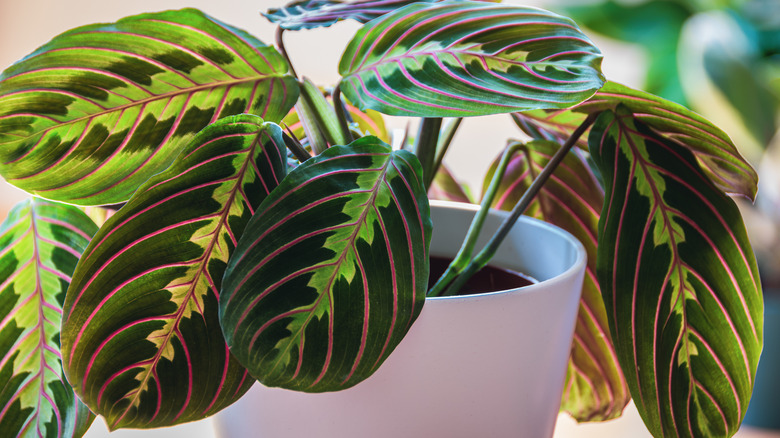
x=171 y=119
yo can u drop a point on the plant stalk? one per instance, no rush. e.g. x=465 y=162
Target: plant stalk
x=427 y=142
x=444 y=142
x=487 y=253
x=461 y=260
x=295 y=146
x=283 y=50
x=341 y=112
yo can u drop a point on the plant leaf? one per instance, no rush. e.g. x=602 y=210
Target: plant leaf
x=332 y=271
x=679 y=280
x=322 y=113
x=464 y=58
x=445 y=187
x=40 y=243
x=363 y=123
x=595 y=388
x=310 y=14
x=712 y=147
x=91 y=115
x=141 y=339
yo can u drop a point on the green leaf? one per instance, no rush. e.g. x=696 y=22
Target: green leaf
x=141 y=339
x=310 y=14
x=595 y=388
x=332 y=271
x=679 y=280
x=321 y=113
x=712 y=147
x=40 y=243
x=91 y=115
x=464 y=58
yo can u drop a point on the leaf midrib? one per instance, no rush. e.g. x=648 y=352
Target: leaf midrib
x=41 y=323
x=359 y=223
x=675 y=266
x=141 y=103
x=191 y=292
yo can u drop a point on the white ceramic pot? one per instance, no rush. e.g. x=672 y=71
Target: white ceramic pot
x=488 y=365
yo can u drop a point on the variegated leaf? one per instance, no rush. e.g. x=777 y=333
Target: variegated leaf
x=368 y=122
x=445 y=187
x=679 y=281
x=91 y=115
x=309 y=14
x=713 y=148
x=40 y=243
x=141 y=339
x=99 y=215
x=595 y=388
x=332 y=271
x=365 y=122
x=465 y=58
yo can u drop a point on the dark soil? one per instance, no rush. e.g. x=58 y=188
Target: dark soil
x=489 y=279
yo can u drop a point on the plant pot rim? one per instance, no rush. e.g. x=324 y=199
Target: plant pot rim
x=580 y=257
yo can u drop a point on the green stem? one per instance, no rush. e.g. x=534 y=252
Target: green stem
x=341 y=111
x=295 y=146
x=487 y=253
x=461 y=260
x=449 y=131
x=427 y=141
x=280 y=45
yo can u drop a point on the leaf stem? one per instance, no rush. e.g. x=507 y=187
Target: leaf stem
x=283 y=50
x=487 y=253
x=341 y=112
x=295 y=146
x=449 y=130
x=426 y=144
x=461 y=260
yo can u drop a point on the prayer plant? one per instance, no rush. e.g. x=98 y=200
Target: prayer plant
x=244 y=245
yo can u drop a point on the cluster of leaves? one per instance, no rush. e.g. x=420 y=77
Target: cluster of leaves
x=232 y=261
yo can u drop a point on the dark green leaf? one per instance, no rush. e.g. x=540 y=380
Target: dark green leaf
x=465 y=58
x=332 y=271
x=679 y=281
x=141 y=339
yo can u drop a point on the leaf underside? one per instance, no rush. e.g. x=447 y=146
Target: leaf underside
x=91 y=115
x=332 y=271
x=310 y=14
x=446 y=188
x=595 y=389
x=679 y=281
x=141 y=339
x=464 y=58
x=40 y=243
x=714 y=150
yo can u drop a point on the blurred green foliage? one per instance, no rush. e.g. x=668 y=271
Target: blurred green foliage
x=696 y=46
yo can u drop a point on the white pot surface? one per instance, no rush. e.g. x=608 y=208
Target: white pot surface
x=490 y=365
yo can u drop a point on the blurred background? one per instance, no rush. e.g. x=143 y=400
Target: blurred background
x=719 y=57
